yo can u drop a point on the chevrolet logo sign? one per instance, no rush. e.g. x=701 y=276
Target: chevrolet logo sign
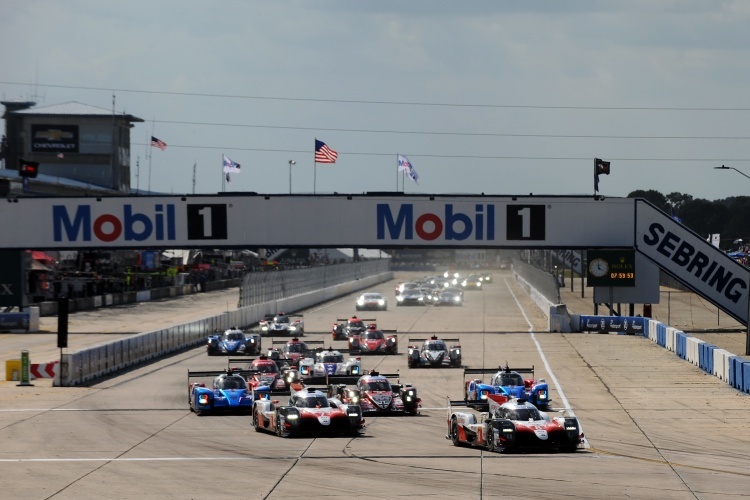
x=53 y=135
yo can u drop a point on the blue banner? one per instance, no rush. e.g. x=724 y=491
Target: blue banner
x=14 y=321
x=631 y=325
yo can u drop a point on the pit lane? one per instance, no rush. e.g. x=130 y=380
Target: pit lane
x=658 y=427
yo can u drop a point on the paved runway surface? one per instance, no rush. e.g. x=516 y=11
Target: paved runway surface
x=658 y=427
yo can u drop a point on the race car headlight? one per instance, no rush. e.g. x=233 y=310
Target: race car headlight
x=391 y=341
x=381 y=302
x=252 y=341
x=400 y=298
x=355 y=415
x=571 y=428
x=457 y=299
x=506 y=429
x=305 y=370
x=482 y=394
x=420 y=299
x=292 y=416
x=292 y=328
x=408 y=398
x=355 y=370
x=264 y=328
x=463 y=283
x=542 y=394
x=479 y=284
x=203 y=399
x=458 y=352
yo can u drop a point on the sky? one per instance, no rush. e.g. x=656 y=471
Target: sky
x=482 y=96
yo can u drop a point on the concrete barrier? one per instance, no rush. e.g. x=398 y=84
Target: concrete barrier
x=87 y=365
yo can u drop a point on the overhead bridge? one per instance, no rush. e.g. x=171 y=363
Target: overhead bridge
x=382 y=220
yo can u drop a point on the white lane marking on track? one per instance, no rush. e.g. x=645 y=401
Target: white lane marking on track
x=539 y=349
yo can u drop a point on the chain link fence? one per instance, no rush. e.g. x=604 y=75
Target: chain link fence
x=260 y=287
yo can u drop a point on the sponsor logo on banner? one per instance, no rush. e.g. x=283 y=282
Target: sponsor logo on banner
x=692 y=260
x=450 y=225
x=81 y=225
x=623 y=324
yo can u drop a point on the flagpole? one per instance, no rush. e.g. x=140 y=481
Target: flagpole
x=195 y=164
x=397 y=172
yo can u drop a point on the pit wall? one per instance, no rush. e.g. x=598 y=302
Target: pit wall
x=732 y=369
x=90 y=364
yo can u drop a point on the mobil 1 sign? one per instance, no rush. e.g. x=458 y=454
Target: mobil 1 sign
x=369 y=221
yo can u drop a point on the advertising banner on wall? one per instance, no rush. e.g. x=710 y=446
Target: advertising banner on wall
x=317 y=221
x=54 y=138
x=631 y=325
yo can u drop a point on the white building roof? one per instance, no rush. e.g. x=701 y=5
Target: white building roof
x=74 y=108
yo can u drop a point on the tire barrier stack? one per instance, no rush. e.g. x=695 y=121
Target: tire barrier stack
x=90 y=364
x=732 y=369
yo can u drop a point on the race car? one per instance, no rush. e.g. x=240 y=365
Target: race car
x=233 y=342
x=264 y=372
x=472 y=282
x=371 y=301
x=411 y=297
x=450 y=297
x=228 y=394
x=374 y=341
x=508 y=382
x=282 y=324
x=343 y=327
x=376 y=395
x=309 y=412
x=511 y=424
x=434 y=353
x=327 y=363
x=295 y=349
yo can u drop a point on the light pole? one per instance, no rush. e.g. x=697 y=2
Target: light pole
x=747 y=338
x=291 y=162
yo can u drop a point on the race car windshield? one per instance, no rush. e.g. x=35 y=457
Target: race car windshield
x=266 y=368
x=509 y=379
x=356 y=324
x=524 y=414
x=296 y=347
x=234 y=336
x=376 y=385
x=373 y=335
x=313 y=401
x=435 y=346
x=281 y=319
x=371 y=296
x=231 y=383
x=332 y=358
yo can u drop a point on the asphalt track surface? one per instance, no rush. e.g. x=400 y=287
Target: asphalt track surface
x=657 y=426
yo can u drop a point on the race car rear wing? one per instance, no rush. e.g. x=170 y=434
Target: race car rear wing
x=505 y=368
x=308 y=342
x=474 y=405
x=216 y=373
x=425 y=340
x=364 y=320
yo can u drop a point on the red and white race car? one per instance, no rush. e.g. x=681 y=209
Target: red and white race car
x=374 y=341
x=309 y=412
x=511 y=424
x=377 y=396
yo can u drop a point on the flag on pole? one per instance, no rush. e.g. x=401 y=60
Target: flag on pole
x=158 y=143
x=406 y=166
x=601 y=167
x=230 y=167
x=324 y=154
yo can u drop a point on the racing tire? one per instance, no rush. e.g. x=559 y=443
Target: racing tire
x=255 y=421
x=491 y=440
x=278 y=426
x=454 y=433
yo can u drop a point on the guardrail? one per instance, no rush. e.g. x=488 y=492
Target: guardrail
x=99 y=361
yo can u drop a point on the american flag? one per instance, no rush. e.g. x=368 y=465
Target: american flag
x=324 y=154
x=158 y=143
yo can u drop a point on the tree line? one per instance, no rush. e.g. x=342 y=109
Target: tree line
x=729 y=217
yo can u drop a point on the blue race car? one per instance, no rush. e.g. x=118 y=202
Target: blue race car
x=230 y=393
x=508 y=382
x=233 y=342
